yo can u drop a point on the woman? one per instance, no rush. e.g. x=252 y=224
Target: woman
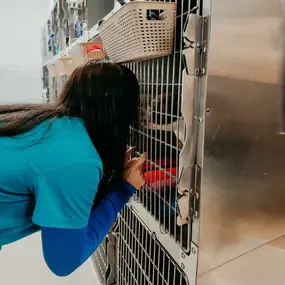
x=55 y=159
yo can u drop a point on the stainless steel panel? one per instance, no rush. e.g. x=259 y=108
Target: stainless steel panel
x=243 y=197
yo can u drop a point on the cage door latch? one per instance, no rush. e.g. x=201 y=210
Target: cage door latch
x=188 y=200
x=195 y=37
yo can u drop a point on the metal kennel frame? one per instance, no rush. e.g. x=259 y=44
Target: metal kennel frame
x=150 y=220
x=146 y=246
x=223 y=158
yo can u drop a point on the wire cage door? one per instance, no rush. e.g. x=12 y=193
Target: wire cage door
x=163 y=130
x=167 y=131
x=141 y=258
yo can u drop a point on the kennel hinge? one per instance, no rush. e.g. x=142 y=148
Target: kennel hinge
x=195 y=205
x=195 y=37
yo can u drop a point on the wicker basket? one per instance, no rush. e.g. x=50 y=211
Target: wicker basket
x=52 y=70
x=83 y=52
x=64 y=66
x=128 y=35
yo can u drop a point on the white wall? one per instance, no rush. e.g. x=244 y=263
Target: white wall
x=20 y=49
x=22 y=263
x=20 y=31
x=20 y=84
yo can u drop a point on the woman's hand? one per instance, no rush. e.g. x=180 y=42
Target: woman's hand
x=133 y=172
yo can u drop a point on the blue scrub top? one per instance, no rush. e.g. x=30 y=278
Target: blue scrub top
x=35 y=186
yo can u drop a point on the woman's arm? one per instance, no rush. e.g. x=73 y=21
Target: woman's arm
x=66 y=249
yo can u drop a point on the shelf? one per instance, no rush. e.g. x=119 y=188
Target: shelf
x=92 y=33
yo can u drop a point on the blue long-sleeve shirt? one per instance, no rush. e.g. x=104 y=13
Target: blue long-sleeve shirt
x=48 y=181
x=65 y=250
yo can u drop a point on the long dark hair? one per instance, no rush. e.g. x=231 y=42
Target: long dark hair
x=105 y=95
